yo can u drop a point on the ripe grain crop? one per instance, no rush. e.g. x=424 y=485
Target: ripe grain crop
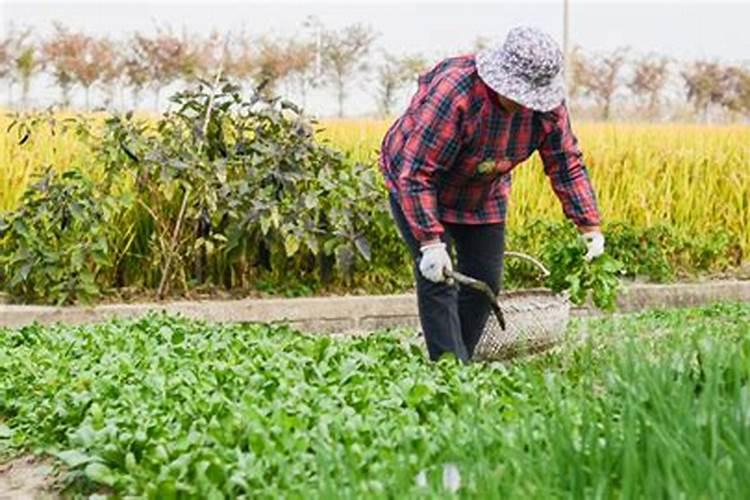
x=695 y=178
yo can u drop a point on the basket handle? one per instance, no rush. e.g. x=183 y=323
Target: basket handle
x=529 y=258
x=481 y=286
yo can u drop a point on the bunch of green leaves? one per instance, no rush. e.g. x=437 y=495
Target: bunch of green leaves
x=598 y=278
x=56 y=245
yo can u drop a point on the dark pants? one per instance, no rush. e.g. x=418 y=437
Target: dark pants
x=453 y=318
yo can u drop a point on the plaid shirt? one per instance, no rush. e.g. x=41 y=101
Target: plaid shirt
x=449 y=157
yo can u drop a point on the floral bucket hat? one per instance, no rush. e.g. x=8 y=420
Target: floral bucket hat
x=526 y=67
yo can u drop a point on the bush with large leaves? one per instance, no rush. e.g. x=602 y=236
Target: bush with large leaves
x=55 y=247
x=234 y=188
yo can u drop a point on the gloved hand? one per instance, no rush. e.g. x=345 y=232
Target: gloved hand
x=594 y=243
x=435 y=261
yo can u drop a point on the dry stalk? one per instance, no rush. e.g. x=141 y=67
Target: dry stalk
x=178 y=225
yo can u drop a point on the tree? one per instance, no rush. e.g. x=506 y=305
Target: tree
x=77 y=58
x=578 y=78
x=271 y=65
x=27 y=64
x=481 y=42
x=389 y=81
x=703 y=80
x=61 y=51
x=735 y=85
x=301 y=56
x=649 y=78
x=112 y=74
x=240 y=58
x=413 y=66
x=166 y=57
x=6 y=64
x=343 y=54
x=393 y=74
x=24 y=61
x=96 y=63
x=135 y=72
x=598 y=77
x=205 y=55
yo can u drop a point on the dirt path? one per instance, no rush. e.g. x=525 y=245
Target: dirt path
x=26 y=478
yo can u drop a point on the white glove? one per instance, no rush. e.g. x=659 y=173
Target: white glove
x=434 y=262
x=594 y=243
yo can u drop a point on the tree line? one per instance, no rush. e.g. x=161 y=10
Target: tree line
x=335 y=59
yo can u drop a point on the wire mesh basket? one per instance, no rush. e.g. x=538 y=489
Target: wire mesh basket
x=524 y=321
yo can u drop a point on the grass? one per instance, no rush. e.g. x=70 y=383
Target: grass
x=655 y=405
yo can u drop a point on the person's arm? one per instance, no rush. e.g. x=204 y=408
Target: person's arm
x=563 y=163
x=431 y=148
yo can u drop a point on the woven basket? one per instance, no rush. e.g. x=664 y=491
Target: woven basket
x=534 y=319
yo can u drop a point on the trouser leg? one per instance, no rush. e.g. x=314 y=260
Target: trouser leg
x=437 y=302
x=479 y=253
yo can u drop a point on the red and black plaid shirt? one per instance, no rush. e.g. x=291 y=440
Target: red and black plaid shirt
x=449 y=157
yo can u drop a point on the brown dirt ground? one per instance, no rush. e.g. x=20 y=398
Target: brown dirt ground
x=27 y=478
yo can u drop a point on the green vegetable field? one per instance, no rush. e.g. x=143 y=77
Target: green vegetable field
x=655 y=405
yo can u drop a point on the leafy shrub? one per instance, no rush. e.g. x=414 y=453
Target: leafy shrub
x=251 y=187
x=643 y=252
x=55 y=247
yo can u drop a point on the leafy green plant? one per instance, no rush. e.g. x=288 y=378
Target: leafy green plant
x=643 y=252
x=250 y=186
x=658 y=253
x=57 y=246
x=652 y=405
x=598 y=278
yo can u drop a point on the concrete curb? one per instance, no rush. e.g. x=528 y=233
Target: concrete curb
x=351 y=313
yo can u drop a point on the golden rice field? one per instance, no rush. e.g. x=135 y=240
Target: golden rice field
x=696 y=177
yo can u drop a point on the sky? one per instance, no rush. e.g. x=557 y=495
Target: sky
x=681 y=29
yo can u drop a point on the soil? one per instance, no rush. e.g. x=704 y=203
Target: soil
x=27 y=478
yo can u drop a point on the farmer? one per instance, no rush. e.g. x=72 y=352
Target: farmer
x=447 y=164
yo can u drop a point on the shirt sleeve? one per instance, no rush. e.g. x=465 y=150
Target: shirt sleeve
x=431 y=148
x=563 y=164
